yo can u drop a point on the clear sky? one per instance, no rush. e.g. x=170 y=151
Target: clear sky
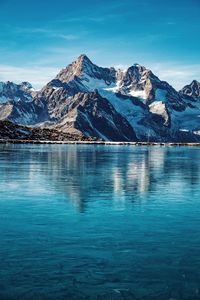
x=38 y=38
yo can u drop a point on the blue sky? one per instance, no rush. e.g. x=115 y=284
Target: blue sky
x=40 y=37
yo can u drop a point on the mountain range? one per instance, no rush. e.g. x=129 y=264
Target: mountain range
x=85 y=101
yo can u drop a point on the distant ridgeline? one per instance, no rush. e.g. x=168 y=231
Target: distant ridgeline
x=88 y=102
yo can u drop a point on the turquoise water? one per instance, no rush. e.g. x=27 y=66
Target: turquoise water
x=99 y=222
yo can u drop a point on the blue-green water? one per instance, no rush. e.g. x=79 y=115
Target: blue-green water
x=99 y=222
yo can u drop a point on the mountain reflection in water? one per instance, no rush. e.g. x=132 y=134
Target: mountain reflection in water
x=99 y=222
x=79 y=172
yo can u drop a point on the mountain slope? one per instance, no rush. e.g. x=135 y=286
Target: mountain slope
x=93 y=115
x=108 y=104
x=17 y=104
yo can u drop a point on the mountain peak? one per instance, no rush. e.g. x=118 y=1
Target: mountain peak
x=139 y=71
x=76 y=68
x=26 y=85
x=82 y=62
x=192 y=89
x=83 y=70
x=195 y=82
x=83 y=57
x=138 y=65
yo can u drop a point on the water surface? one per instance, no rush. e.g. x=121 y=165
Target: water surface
x=99 y=222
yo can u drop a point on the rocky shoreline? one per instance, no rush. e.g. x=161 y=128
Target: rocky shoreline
x=15 y=141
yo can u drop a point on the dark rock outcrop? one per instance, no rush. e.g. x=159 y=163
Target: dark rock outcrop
x=192 y=89
x=9 y=131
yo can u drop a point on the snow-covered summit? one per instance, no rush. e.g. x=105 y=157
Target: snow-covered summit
x=84 y=69
x=106 y=103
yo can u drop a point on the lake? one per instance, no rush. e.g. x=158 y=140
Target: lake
x=99 y=222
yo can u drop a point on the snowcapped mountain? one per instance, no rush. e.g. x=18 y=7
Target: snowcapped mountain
x=108 y=104
x=11 y=92
x=17 y=104
x=88 y=75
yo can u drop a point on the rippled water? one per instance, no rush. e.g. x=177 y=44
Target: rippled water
x=99 y=222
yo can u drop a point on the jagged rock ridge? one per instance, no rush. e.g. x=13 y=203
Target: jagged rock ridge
x=192 y=90
x=109 y=104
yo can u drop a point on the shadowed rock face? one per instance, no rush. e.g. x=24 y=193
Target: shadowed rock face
x=10 y=91
x=93 y=115
x=192 y=89
x=139 y=81
x=17 y=104
x=23 y=113
x=105 y=103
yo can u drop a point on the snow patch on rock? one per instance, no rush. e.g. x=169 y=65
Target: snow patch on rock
x=138 y=94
